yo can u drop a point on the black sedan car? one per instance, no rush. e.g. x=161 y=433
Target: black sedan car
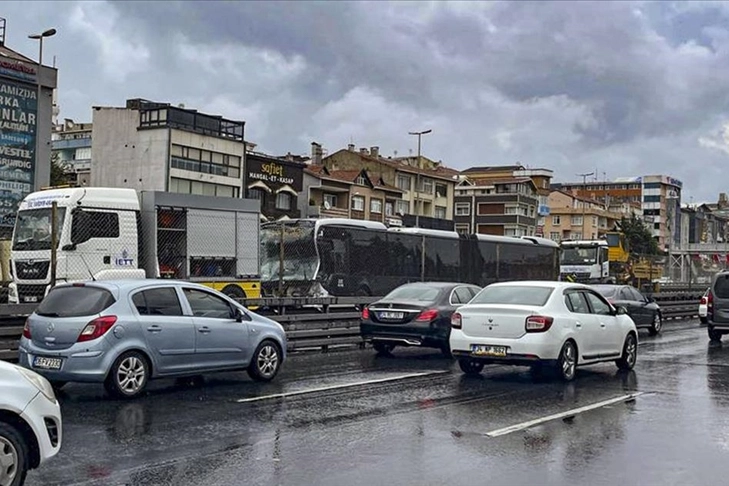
x=416 y=314
x=643 y=310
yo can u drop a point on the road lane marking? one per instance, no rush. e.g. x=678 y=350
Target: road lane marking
x=557 y=416
x=339 y=387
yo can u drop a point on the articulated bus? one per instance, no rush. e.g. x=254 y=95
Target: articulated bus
x=343 y=257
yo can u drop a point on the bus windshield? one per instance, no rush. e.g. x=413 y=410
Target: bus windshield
x=300 y=259
x=579 y=256
x=33 y=229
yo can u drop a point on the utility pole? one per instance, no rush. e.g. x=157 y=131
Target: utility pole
x=38 y=141
x=417 y=178
x=584 y=200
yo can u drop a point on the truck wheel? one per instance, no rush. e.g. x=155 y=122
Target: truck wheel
x=234 y=292
x=14 y=456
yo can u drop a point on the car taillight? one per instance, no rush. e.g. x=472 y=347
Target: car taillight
x=456 y=321
x=703 y=301
x=427 y=315
x=710 y=299
x=96 y=328
x=26 y=330
x=365 y=313
x=538 y=323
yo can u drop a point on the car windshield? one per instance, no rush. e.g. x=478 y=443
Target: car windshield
x=75 y=301
x=33 y=229
x=513 y=295
x=579 y=256
x=420 y=293
x=606 y=291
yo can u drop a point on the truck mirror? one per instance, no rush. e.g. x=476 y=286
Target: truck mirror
x=69 y=247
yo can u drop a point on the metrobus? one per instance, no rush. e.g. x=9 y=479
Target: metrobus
x=343 y=257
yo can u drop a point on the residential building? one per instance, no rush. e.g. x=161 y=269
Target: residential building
x=159 y=147
x=576 y=218
x=25 y=129
x=427 y=187
x=659 y=196
x=506 y=207
x=71 y=147
x=276 y=182
x=355 y=194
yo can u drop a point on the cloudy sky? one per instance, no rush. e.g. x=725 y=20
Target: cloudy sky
x=622 y=88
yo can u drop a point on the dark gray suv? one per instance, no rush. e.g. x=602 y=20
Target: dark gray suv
x=718 y=306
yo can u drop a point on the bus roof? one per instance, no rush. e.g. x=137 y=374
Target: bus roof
x=98 y=197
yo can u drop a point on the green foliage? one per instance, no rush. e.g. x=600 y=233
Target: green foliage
x=639 y=237
x=59 y=173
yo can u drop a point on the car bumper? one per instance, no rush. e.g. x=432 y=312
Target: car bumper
x=703 y=311
x=82 y=362
x=408 y=334
x=44 y=417
x=528 y=349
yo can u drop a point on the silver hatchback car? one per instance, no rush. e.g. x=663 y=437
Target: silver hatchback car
x=124 y=333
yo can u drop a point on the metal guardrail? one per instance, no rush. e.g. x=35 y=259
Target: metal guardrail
x=320 y=324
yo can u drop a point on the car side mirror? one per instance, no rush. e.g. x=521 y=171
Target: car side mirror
x=241 y=316
x=621 y=311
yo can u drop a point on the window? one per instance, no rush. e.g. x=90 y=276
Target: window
x=204 y=304
x=441 y=190
x=576 y=235
x=157 y=302
x=576 y=303
x=598 y=305
x=463 y=209
x=389 y=208
x=556 y=220
x=461 y=295
x=256 y=193
x=510 y=210
x=403 y=182
x=358 y=203
x=402 y=207
x=331 y=200
x=651 y=198
x=376 y=206
x=440 y=212
x=360 y=180
x=94 y=224
x=75 y=302
x=463 y=229
x=594 y=220
x=517 y=295
x=283 y=201
x=652 y=185
x=576 y=220
x=426 y=185
x=554 y=236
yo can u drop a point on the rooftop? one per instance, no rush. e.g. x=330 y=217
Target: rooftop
x=493 y=168
x=402 y=165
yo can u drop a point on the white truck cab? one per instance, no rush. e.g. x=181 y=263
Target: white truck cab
x=585 y=261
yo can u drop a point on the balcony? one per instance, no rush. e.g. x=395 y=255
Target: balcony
x=74 y=143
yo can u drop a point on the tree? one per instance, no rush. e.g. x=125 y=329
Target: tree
x=59 y=172
x=638 y=236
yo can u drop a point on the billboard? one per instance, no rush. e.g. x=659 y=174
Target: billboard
x=18 y=122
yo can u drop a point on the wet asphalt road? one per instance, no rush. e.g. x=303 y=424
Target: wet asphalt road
x=412 y=419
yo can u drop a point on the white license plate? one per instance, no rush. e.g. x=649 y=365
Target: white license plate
x=42 y=362
x=485 y=350
x=31 y=299
x=392 y=315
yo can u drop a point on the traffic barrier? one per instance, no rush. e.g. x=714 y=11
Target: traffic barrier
x=321 y=324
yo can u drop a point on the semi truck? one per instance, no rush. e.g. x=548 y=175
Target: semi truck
x=113 y=233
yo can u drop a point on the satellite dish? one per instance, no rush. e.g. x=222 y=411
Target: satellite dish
x=327 y=205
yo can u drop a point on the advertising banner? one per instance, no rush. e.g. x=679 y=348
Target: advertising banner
x=18 y=117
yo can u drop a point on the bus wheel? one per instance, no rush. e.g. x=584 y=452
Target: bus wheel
x=234 y=292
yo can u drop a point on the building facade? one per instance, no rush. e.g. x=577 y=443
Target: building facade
x=25 y=129
x=504 y=207
x=159 y=147
x=658 y=195
x=71 y=148
x=277 y=183
x=576 y=218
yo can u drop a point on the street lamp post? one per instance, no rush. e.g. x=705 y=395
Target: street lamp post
x=584 y=207
x=417 y=177
x=39 y=37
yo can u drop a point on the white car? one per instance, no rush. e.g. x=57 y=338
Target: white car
x=30 y=423
x=542 y=323
x=704 y=307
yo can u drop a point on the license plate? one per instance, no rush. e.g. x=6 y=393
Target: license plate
x=47 y=363
x=31 y=298
x=392 y=315
x=485 y=350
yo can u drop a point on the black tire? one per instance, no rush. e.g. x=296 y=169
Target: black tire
x=234 y=292
x=58 y=385
x=714 y=335
x=567 y=361
x=266 y=361
x=383 y=349
x=14 y=446
x=470 y=367
x=446 y=350
x=656 y=325
x=630 y=353
x=128 y=376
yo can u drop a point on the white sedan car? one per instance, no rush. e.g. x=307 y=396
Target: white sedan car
x=30 y=423
x=536 y=323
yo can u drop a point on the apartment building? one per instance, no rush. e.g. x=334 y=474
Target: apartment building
x=71 y=147
x=576 y=218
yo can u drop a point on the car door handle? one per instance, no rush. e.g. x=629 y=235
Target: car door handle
x=204 y=330
x=578 y=324
x=154 y=329
x=602 y=325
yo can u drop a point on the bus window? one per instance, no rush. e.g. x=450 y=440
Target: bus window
x=441 y=259
x=404 y=261
x=486 y=260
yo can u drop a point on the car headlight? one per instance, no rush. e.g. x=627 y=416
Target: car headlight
x=39 y=382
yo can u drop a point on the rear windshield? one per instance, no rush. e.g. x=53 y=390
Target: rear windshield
x=414 y=292
x=721 y=287
x=606 y=291
x=75 y=302
x=515 y=295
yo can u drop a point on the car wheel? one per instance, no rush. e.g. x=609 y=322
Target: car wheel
x=128 y=376
x=14 y=460
x=630 y=353
x=656 y=325
x=383 y=349
x=714 y=335
x=266 y=362
x=470 y=367
x=567 y=362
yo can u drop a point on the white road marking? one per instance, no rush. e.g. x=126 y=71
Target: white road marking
x=343 y=385
x=568 y=413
